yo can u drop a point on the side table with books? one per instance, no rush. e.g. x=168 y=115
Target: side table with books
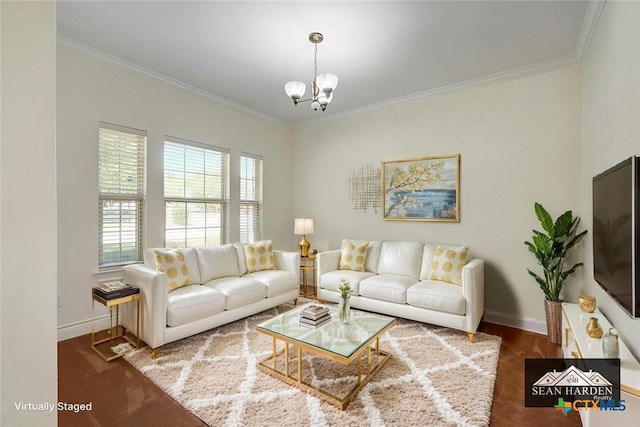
x=313 y=316
x=116 y=341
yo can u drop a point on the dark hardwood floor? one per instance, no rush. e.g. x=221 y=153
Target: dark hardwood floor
x=122 y=396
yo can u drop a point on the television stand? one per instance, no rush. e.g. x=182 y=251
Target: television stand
x=576 y=343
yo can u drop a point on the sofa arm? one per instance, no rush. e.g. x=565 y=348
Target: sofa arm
x=153 y=303
x=288 y=261
x=473 y=291
x=328 y=261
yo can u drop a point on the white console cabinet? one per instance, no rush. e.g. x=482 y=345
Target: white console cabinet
x=576 y=343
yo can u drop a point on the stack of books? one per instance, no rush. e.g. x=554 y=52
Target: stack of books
x=313 y=316
x=112 y=290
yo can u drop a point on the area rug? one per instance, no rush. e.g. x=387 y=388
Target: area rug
x=434 y=377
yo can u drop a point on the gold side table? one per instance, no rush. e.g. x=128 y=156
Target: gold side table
x=308 y=266
x=115 y=334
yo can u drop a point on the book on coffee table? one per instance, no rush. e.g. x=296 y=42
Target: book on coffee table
x=305 y=321
x=309 y=323
x=314 y=312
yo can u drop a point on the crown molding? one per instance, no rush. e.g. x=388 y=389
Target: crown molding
x=112 y=59
x=589 y=25
x=505 y=76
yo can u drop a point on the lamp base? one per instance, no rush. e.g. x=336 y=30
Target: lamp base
x=304 y=246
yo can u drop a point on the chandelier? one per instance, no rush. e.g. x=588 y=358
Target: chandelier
x=322 y=86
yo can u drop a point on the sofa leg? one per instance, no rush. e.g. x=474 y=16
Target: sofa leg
x=155 y=351
x=295 y=301
x=470 y=336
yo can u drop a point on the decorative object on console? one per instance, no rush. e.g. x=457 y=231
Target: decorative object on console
x=344 y=310
x=364 y=188
x=353 y=254
x=303 y=226
x=322 y=86
x=610 y=346
x=550 y=250
x=594 y=330
x=587 y=303
x=422 y=189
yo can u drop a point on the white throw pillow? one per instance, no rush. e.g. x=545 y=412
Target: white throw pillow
x=172 y=263
x=353 y=254
x=259 y=256
x=448 y=263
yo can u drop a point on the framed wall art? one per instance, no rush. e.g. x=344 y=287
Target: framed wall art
x=422 y=189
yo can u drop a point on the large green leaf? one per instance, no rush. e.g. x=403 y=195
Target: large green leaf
x=545 y=219
x=564 y=223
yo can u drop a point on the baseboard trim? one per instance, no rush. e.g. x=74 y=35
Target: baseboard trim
x=83 y=327
x=524 y=323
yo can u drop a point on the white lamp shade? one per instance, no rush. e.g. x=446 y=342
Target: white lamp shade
x=327 y=82
x=295 y=90
x=303 y=226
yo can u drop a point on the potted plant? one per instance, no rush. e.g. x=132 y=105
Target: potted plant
x=550 y=249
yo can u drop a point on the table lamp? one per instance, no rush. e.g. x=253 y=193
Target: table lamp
x=304 y=226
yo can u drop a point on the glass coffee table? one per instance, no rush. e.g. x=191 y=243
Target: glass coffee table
x=357 y=341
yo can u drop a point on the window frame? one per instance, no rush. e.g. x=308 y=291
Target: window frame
x=116 y=192
x=221 y=202
x=254 y=205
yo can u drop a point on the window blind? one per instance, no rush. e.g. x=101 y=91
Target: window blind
x=251 y=205
x=196 y=189
x=121 y=182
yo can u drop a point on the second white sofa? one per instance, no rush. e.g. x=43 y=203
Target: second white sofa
x=396 y=281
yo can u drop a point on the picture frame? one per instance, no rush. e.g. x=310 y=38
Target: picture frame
x=422 y=189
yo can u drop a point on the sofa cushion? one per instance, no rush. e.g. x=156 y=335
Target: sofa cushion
x=332 y=279
x=427 y=261
x=190 y=259
x=239 y=291
x=401 y=258
x=278 y=282
x=172 y=263
x=353 y=254
x=194 y=302
x=387 y=287
x=242 y=261
x=436 y=295
x=217 y=261
x=259 y=256
x=448 y=263
x=373 y=256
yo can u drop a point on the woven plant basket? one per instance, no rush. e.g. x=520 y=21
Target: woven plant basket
x=553 y=315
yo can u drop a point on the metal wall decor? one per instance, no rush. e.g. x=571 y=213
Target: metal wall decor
x=365 y=188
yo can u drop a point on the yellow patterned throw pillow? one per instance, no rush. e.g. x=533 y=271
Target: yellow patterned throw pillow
x=447 y=264
x=259 y=256
x=353 y=254
x=172 y=263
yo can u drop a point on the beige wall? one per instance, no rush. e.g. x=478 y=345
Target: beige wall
x=611 y=127
x=91 y=90
x=28 y=230
x=519 y=143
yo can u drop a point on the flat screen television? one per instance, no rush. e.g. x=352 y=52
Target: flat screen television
x=615 y=233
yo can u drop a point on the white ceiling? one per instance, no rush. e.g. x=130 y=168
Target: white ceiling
x=243 y=52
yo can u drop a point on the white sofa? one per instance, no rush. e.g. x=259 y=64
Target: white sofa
x=396 y=282
x=221 y=292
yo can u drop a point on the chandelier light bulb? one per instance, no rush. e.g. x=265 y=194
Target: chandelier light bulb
x=295 y=90
x=327 y=82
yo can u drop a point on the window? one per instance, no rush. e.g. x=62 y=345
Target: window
x=121 y=182
x=250 y=198
x=195 y=193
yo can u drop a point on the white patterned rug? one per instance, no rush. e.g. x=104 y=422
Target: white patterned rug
x=434 y=377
